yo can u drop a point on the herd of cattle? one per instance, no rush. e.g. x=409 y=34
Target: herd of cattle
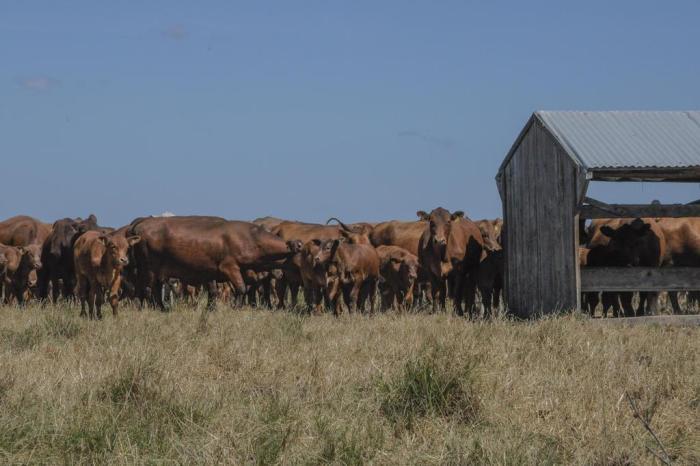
x=268 y=261
x=647 y=242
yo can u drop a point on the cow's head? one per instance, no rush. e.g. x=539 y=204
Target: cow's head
x=357 y=234
x=325 y=251
x=491 y=233
x=32 y=255
x=294 y=246
x=407 y=271
x=32 y=278
x=118 y=248
x=439 y=227
x=628 y=241
x=63 y=234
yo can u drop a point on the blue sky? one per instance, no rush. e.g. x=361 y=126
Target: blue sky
x=305 y=110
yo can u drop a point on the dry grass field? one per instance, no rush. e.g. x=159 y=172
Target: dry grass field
x=263 y=387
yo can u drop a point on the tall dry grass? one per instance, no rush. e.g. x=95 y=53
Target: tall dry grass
x=267 y=387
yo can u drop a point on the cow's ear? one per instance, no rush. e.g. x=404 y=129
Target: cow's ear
x=607 y=231
x=395 y=260
x=22 y=250
x=423 y=215
x=103 y=239
x=457 y=214
x=345 y=234
x=316 y=241
x=133 y=240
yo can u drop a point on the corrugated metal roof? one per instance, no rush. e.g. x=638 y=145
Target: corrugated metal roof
x=627 y=139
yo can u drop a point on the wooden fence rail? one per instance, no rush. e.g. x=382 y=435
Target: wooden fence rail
x=640 y=278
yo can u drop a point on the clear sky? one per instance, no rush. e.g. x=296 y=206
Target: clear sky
x=365 y=110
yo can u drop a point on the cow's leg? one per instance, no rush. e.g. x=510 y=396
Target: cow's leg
x=457 y=288
x=486 y=297
x=18 y=290
x=333 y=292
x=92 y=294
x=42 y=286
x=81 y=289
x=626 y=302
x=673 y=297
x=469 y=291
x=99 y=299
x=212 y=294
x=592 y=300
x=436 y=287
x=610 y=301
x=648 y=303
x=251 y=296
x=233 y=273
x=281 y=291
x=114 y=294
x=387 y=296
x=294 y=294
x=367 y=293
x=317 y=303
x=266 y=289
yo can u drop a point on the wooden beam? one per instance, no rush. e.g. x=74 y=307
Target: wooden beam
x=640 y=278
x=596 y=209
x=687 y=174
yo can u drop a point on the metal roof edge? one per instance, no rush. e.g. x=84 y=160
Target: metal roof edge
x=561 y=140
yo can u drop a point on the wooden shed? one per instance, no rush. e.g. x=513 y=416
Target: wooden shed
x=543 y=182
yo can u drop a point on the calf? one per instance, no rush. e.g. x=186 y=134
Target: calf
x=19 y=271
x=99 y=259
x=399 y=271
x=490 y=274
x=313 y=275
x=351 y=269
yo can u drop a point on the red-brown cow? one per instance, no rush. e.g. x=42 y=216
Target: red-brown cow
x=21 y=263
x=399 y=271
x=351 y=269
x=98 y=261
x=200 y=250
x=450 y=250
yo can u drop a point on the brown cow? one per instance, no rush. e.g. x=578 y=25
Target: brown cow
x=313 y=274
x=450 y=250
x=23 y=231
x=305 y=232
x=199 y=250
x=682 y=237
x=490 y=276
x=98 y=260
x=21 y=263
x=268 y=223
x=57 y=256
x=405 y=235
x=351 y=269
x=399 y=272
x=625 y=243
x=491 y=232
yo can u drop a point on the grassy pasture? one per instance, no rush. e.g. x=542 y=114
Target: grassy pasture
x=251 y=386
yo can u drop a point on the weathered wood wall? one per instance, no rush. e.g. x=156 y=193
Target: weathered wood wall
x=541 y=187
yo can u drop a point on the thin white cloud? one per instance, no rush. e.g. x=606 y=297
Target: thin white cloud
x=38 y=83
x=175 y=32
x=445 y=143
